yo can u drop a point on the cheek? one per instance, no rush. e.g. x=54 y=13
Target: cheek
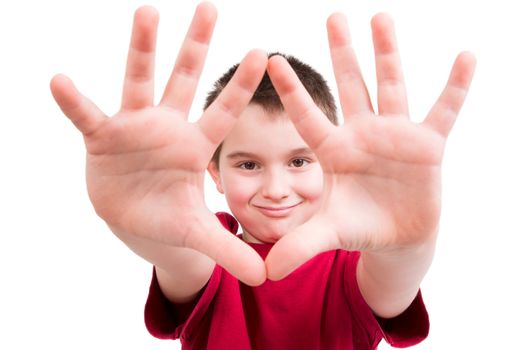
x=238 y=190
x=310 y=184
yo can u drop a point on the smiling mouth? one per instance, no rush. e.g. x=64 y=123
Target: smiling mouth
x=276 y=212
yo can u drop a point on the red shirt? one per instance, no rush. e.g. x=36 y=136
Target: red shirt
x=318 y=306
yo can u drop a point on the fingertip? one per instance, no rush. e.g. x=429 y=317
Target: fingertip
x=381 y=20
x=336 y=19
x=300 y=246
x=256 y=63
x=271 y=271
x=256 y=278
x=463 y=70
x=144 y=30
x=203 y=22
x=263 y=54
x=274 y=274
x=276 y=64
x=207 y=11
x=383 y=34
x=281 y=75
x=337 y=28
x=146 y=13
x=82 y=112
x=280 y=261
x=277 y=71
x=60 y=79
x=57 y=81
x=251 y=69
x=257 y=57
x=277 y=57
x=62 y=89
x=253 y=269
x=468 y=58
x=232 y=253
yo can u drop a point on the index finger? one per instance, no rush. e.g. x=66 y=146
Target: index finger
x=221 y=115
x=308 y=119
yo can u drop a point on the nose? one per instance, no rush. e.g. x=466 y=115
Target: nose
x=276 y=185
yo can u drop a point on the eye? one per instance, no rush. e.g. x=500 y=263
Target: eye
x=248 y=166
x=299 y=162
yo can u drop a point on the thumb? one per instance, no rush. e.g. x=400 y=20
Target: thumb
x=80 y=110
x=300 y=245
x=226 y=249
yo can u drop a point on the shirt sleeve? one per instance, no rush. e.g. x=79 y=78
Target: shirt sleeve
x=407 y=329
x=164 y=320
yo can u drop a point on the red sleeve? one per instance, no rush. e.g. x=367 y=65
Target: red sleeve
x=407 y=329
x=164 y=320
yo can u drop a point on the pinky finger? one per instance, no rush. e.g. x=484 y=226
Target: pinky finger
x=443 y=114
x=84 y=114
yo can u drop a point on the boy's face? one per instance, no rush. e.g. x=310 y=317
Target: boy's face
x=271 y=179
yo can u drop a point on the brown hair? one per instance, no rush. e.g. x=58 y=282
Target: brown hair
x=266 y=97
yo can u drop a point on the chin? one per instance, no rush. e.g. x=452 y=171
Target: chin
x=272 y=230
x=264 y=237
x=274 y=236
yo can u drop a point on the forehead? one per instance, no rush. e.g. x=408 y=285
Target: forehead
x=259 y=130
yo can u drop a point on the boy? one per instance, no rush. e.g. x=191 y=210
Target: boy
x=345 y=217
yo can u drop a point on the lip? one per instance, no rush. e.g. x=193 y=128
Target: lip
x=276 y=211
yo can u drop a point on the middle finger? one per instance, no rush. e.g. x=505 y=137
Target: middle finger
x=182 y=84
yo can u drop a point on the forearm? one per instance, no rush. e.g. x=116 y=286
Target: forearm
x=181 y=272
x=389 y=280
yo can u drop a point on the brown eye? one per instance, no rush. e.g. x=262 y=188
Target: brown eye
x=299 y=162
x=248 y=166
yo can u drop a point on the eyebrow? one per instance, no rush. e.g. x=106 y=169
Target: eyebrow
x=241 y=154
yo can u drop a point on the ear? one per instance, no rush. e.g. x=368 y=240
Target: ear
x=215 y=175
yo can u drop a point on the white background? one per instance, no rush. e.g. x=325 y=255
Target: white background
x=67 y=282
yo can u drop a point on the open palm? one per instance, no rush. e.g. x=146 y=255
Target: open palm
x=145 y=165
x=382 y=171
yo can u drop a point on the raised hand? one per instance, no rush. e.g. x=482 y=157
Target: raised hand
x=381 y=171
x=145 y=165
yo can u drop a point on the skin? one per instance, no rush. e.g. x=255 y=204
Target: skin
x=142 y=180
x=272 y=180
x=381 y=171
